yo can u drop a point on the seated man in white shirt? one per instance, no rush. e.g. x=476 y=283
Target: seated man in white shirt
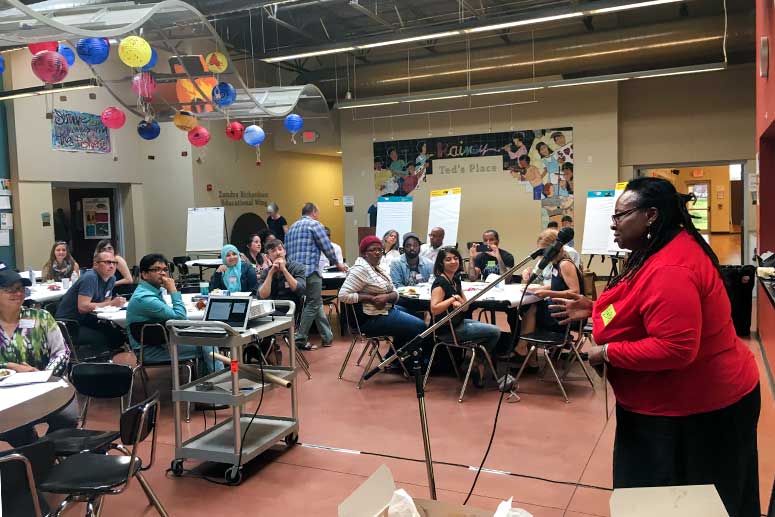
x=324 y=262
x=431 y=248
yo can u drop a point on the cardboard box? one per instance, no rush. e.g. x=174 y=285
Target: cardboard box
x=372 y=498
x=667 y=501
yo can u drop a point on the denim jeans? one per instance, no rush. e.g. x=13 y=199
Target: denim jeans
x=398 y=324
x=477 y=332
x=313 y=312
x=154 y=354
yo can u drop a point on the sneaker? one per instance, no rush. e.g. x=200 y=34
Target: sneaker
x=307 y=346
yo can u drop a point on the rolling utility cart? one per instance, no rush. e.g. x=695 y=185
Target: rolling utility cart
x=234 y=386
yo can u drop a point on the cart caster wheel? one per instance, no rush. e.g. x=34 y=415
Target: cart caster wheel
x=291 y=439
x=233 y=476
x=177 y=467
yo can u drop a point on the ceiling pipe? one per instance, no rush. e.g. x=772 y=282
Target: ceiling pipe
x=374 y=16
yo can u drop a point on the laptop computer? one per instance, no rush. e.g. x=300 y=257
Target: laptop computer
x=232 y=310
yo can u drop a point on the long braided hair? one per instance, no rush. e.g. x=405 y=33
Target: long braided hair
x=672 y=217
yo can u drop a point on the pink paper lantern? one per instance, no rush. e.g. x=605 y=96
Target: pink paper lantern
x=113 y=117
x=144 y=85
x=49 y=66
x=199 y=136
x=235 y=130
x=34 y=48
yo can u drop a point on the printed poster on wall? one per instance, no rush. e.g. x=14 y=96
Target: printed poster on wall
x=96 y=218
x=77 y=131
x=539 y=160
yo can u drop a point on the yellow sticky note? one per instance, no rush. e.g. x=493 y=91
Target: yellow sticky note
x=608 y=314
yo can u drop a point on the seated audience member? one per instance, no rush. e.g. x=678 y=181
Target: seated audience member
x=411 y=268
x=324 y=262
x=367 y=285
x=92 y=290
x=31 y=341
x=446 y=295
x=266 y=236
x=284 y=280
x=391 y=252
x=253 y=254
x=494 y=261
x=148 y=306
x=60 y=264
x=122 y=274
x=234 y=275
x=567 y=222
x=431 y=248
x=554 y=225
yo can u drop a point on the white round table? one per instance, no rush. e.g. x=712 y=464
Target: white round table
x=22 y=405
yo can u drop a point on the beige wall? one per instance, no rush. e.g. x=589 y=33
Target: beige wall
x=33 y=240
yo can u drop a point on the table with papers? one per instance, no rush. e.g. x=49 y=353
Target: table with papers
x=117 y=315
x=48 y=292
x=27 y=403
x=204 y=263
x=504 y=297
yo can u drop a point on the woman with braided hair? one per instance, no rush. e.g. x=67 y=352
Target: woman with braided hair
x=686 y=387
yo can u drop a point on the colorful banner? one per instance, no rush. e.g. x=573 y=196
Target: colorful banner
x=96 y=218
x=76 y=131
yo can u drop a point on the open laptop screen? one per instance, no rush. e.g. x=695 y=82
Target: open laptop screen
x=232 y=312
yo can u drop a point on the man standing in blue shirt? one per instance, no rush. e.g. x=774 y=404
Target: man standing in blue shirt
x=304 y=242
x=148 y=306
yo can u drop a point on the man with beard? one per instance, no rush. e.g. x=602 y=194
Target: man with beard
x=411 y=268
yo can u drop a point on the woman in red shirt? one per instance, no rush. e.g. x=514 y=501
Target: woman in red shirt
x=687 y=388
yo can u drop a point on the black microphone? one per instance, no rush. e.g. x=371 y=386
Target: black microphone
x=551 y=252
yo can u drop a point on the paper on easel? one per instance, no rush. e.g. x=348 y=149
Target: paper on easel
x=614 y=248
x=444 y=212
x=394 y=213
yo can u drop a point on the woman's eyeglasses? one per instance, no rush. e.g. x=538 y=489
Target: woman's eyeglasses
x=618 y=216
x=13 y=289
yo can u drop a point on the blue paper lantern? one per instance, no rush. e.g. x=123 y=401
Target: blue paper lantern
x=67 y=53
x=2 y=64
x=148 y=130
x=152 y=62
x=224 y=94
x=254 y=135
x=93 y=50
x=293 y=123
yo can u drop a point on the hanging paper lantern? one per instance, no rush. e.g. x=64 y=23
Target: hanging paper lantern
x=67 y=53
x=134 y=51
x=199 y=136
x=293 y=123
x=152 y=62
x=235 y=130
x=49 y=66
x=34 y=48
x=93 y=50
x=144 y=85
x=254 y=135
x=113 y=117
x=224 y=94
x=216 y=63
x=148 y=130
x=184 y=121
x=2 y=64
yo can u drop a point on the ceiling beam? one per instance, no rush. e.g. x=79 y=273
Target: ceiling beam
x=271 y=14
x=374 y=16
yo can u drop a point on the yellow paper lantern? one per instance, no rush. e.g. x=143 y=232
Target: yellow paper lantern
x=184 y=121
x=216 y=63
x=134 y=51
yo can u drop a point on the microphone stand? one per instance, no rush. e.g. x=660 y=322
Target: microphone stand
x=413 y=349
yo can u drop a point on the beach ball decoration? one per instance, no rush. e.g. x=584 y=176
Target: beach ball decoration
x=293 y=123
x=148 y=130
x=224 y=94
x=144 y=85
x=134 y=51
x=113 y=117
x=93 y=51
x=199 y=136
x=184 y=121
x=216 y=63
x=49 y=66
x=152 y=62
x=34 y=48
x=67 y=53
x=235 y=131
x=254 y=135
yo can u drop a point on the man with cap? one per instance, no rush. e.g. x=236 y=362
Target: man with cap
x=431 y=248
x=411 y=268
x=30 y=340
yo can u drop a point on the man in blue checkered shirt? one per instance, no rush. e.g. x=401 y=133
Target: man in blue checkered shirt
x=304 y=242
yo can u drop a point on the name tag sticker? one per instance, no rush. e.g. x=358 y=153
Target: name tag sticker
x=27 y=323
x=608 y=314
x=287 y=286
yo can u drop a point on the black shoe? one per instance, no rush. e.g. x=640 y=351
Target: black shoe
x=202 y=406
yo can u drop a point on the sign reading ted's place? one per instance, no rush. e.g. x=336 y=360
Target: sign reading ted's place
x=480 y=165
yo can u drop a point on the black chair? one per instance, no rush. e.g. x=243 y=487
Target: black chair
x=89 y=477
x=155 y=335
x=19 y=468
x=81 y=352
x=92 y=380
x=124 y=290
x=51 y=307
x=185 y=277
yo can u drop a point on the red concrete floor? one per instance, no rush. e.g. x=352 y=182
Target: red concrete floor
x=558 y=454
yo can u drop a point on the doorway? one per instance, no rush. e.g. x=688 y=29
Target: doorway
x=699 y=208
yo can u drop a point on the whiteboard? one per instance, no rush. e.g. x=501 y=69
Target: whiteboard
x=597 y=222
x=394 y=213
x=444 y=212
x=204 y=231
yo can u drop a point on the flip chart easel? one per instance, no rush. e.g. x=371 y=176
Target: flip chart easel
x=205 y=229
x=444 y=212
x=394 y=213
x=598 y=236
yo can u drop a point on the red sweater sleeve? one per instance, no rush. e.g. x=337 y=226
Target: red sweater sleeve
x=672 y=315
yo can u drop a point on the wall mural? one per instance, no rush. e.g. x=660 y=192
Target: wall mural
x=539 y=160
x=76 y=131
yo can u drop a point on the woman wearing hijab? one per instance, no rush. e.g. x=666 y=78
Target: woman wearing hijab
x=235 y=275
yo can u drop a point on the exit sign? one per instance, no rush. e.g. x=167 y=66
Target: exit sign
x=309 y=137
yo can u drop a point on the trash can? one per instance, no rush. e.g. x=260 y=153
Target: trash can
x=739 y=281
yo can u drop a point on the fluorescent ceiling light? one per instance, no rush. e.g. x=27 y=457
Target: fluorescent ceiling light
x=409 y=40
x=519 y=23
x=437 y=98
x=308 y=54
x=33 y=92
x=626 y=7
x=370 y=105
x=510 y=90
x=589 y=82
x=682 y=72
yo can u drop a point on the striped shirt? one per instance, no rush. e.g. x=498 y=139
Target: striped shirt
x=364 y=278
x=305 y=239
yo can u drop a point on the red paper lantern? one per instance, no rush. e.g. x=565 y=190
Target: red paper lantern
x=199 y=136
x=235 y=130
x=49 y=66
x=143 y=84
x=113 y=117
x=34 y=48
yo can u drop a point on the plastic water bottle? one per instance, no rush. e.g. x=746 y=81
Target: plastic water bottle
x=73 y=277
x=31 y=274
